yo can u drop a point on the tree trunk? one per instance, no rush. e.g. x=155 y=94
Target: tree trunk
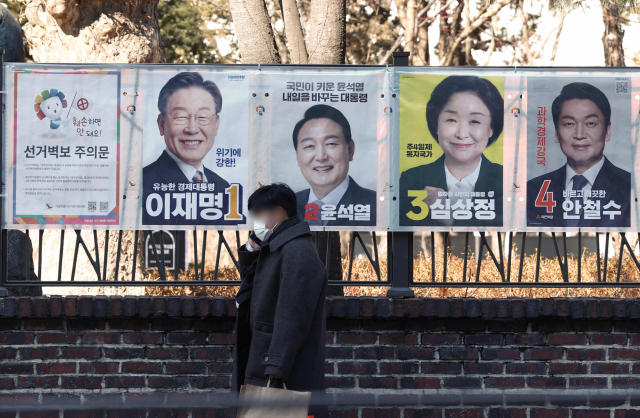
x=613 y=36
x=293 y=32
x=327 y=35
x=410 y=29
x=117 y=31
x=255 y=35
x=422 y=46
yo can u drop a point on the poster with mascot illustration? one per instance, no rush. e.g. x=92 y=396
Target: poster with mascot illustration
x=66 y=147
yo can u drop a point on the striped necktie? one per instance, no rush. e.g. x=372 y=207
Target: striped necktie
x=198 y=177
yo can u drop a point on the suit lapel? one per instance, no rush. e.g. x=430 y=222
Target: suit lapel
x=302 y=202
x=603 y=181
x=170 y=171
x=604 y=177
x=486 y=177
x=438 y=176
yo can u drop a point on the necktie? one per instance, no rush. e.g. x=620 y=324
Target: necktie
x=579 y=181
x=319 y=221
x=198 y=177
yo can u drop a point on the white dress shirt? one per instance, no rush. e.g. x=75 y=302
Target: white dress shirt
x=590 y=175
x=188 y=170
x=466 y=184
x=333 y=198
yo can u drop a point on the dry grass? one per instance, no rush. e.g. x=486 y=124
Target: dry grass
x=550 y=271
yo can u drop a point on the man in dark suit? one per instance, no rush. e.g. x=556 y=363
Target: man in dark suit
x=324 y=147
x=588 y=191
x=189 y=120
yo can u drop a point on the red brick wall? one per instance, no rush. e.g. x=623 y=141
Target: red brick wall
x=80 y=348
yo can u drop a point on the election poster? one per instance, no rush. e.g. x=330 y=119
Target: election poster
x=66 y=147
x=195 y=153
x=325 y=129
x=451 y=150
x=579 y=158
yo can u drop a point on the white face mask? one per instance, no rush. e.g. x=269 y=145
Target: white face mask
x=261 y=230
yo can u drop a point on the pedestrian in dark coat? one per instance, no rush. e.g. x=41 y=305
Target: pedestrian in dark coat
x=280 y=326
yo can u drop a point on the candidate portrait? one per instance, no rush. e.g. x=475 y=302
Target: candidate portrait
x=465 y=116
x=588 y=190
x=189 y=117
x=325 y=149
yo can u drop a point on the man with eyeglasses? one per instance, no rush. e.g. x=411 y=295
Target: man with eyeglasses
x=189 y=120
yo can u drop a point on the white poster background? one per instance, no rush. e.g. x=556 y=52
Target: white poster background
x=234 y=123
x=66 y=185
x=364 y=121
x=542 y=91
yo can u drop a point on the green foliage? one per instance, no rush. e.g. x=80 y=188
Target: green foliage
x=194 y=31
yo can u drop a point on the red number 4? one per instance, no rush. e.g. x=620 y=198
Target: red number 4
x=545 y=199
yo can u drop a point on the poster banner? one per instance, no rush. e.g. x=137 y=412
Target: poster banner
x=195 y=153
x=450 y=151
x=579 y=154
x=363 y=148
x=66 y=148
x=325 y=134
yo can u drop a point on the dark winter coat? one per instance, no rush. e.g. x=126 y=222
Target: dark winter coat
x=286 y=316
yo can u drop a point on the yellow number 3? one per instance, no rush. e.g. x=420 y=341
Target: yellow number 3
x=419 y=195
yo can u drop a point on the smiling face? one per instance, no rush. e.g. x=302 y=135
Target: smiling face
x=52 y=107
x=191 y=141
x=582 y=133
x=464 y=129
x=323 y=155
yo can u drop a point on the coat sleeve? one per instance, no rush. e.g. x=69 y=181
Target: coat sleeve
x=302 y=279
x=246 y=257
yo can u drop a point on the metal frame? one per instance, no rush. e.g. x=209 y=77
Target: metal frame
x=400 y=260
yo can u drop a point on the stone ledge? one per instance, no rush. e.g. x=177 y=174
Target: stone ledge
x=337 y=307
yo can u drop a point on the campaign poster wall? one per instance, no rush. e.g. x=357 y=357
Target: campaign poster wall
x=451 y=151
x=325 y=130
x=195 y=153
x=579 y=152
x=66 y=147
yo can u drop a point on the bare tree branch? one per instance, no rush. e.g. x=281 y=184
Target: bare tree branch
x=555 y=44
x=395 y=46
x=431 y=19
x=492 y=45
x=492 y=10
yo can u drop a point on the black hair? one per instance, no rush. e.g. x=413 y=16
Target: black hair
x=581 y=91
x=480 y=87
x=323 y=111
x=274 y=195
x=187 y=80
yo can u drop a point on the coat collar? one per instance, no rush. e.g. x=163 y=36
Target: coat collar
x=295 y=231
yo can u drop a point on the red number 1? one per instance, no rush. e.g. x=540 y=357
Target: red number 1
x=545 y=199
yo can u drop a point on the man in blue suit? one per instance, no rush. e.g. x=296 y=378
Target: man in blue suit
x=189 y=120
x=324 y=148
x=588 y=191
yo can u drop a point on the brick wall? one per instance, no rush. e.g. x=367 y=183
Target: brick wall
x=75 y=348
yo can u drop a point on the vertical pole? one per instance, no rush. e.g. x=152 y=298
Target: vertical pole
x=4 y=234
x=400 y=250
